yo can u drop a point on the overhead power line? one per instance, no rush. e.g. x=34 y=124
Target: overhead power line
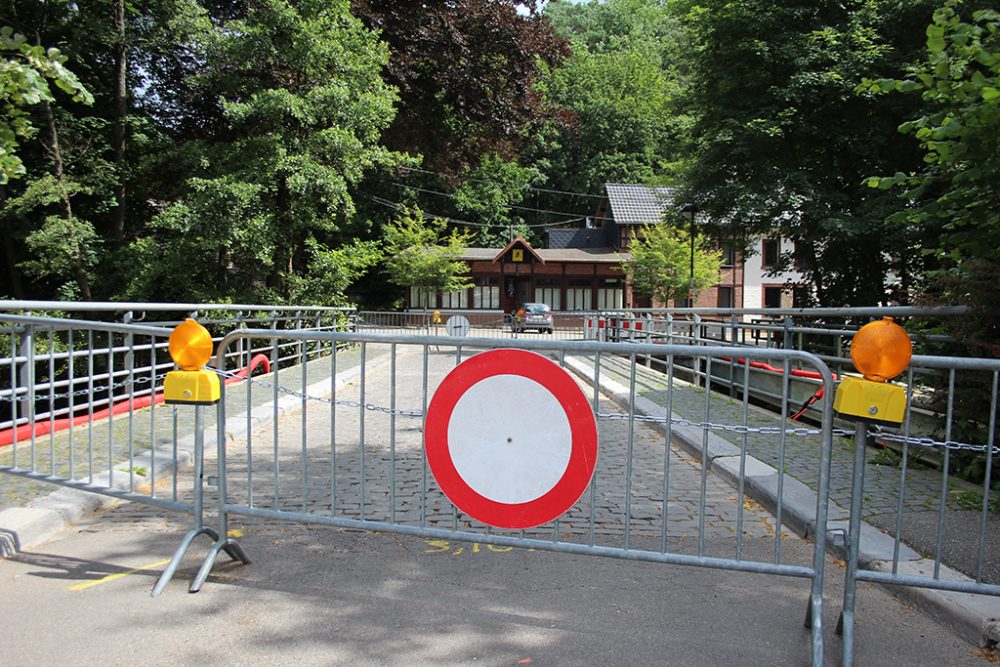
x=481 y=180
x=399 y=206
x=575 y=216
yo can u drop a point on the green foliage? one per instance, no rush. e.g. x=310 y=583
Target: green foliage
x=619 y=88
x=958 y=189
x=304 y=106
x=24 y=76
x=783 y=142
x=332 y=270
x=420 y=253
x=488 y=193
x=661 y=262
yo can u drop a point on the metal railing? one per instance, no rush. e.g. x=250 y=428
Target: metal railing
x=566 y=325
x=59 y=377
x=351 y=453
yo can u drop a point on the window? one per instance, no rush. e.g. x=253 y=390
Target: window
x=772 y=297
x=547 y=291
x=728 y=257
x=725 y=297
x=486 y=293
x=579 y=295
x=771 y=251
x=421 y=298
x=801 y=256
x=454 y=299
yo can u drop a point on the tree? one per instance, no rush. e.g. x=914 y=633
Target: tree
x=619 y=89
x=957 y=192
x=488 y=194
x=661 y=262
x=24 y=77
x=466 y=73
x=783 y=142
x=304 y=105
x=419 y=253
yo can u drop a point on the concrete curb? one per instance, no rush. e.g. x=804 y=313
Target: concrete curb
x=965 y=613
x=23 y=528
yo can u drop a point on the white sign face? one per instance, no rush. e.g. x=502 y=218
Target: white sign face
x=509 y=439
x=457 y=326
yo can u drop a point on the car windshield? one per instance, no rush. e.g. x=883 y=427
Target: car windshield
x=536 y=308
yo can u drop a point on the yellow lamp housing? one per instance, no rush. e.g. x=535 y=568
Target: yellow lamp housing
x=872 y=401
x=199 y=387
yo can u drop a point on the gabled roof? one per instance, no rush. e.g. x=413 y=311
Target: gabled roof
x=519 y=241
x=585 y=255
x=638 y=204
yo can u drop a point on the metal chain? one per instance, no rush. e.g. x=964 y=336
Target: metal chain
x=738 y=429
x=800 y=431
x=103 y=389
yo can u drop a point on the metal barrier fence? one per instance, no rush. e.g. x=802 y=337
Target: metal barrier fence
x=60 y=376
x=355 y=459
x=931 y=440
x=566 y=325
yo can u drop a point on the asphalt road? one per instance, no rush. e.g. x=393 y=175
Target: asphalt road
x=332 y=596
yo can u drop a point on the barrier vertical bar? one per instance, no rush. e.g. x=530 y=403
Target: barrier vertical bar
x=945 y=467
x=846 y=624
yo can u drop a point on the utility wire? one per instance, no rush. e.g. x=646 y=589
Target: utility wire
x=575 y=216
x=399 y=206
x=481 y=180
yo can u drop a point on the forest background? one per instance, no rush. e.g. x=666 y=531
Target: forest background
x=259 y=151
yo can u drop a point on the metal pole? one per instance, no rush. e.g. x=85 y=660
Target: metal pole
x=691 y=275
x=846 y=625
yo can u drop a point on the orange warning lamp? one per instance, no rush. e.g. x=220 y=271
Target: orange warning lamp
x=880 y=350
x=191 y=347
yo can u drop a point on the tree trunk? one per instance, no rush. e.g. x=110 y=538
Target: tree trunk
x=121 y=109
x=8 y=251
x=79 y=270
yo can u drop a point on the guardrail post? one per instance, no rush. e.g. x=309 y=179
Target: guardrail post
x=786 y=340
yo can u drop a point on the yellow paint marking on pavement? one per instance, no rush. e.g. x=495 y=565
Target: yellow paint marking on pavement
x=118 y=575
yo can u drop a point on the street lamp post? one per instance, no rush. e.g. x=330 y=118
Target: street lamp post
x=690 y=210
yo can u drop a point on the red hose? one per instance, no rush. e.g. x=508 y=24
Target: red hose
x=24 y=431
x=795 y=372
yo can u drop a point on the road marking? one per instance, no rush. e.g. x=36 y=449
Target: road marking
x=118 y=575
x=444 y=547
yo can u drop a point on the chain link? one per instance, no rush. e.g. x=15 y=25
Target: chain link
x=800 y=431
x=738 y=429
x=103 y=389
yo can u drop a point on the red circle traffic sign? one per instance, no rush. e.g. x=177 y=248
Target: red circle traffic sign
x=511 y=439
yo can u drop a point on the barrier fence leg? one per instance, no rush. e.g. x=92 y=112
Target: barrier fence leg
x=198 y=527
x=224 y=542
x=846 y=625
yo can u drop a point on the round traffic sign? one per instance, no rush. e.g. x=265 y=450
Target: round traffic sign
x=511 y=439
x=458 y=326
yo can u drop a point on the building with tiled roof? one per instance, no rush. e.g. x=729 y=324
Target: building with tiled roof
x=581 y=268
